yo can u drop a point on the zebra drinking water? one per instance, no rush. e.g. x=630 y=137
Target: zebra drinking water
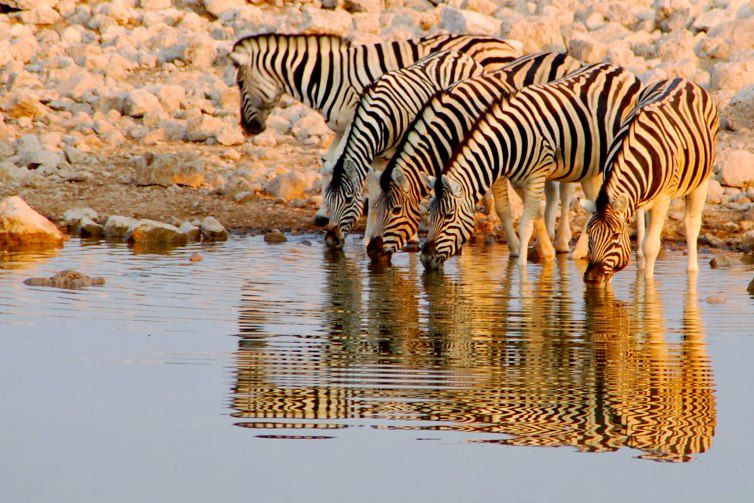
x=424 y=152
x=386 y=110
x=665 y=150
x=559 y=131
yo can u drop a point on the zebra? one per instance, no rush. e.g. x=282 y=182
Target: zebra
x=328 y=74
x=664 y=150
x=560 y=131
x=396 y=193
x=385 y=111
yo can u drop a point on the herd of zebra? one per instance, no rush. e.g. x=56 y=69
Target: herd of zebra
x=455 y=116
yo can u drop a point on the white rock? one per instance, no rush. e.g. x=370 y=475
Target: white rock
x=204 y=127
x=373 y=6
x=336 y=22
x=40 y=15
x=171 y=96
x=140 y=102
x=151 y=232
x=737 y=169
x=217 y=7
x=155 y=4
x=230 y=135
x=20 y=225
x=732 y=76
x=739 y=114
x=81 y=84
x=287 y=186
x=74 y=215
x=455 y=20
x=714 y=192
x=213 y=230
x=310 y=125
x=185 y=169
x=739 y=33
x=537 y=33
x=118 y=226
x=710 y=19
x=585 y=49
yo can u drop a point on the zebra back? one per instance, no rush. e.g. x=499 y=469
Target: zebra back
x=328 y=74
x=666 y=145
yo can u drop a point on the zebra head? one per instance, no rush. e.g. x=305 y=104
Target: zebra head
x=260 y=92
x=451 y=221
x=609 y=245
x=342 y=202
x=393 y=211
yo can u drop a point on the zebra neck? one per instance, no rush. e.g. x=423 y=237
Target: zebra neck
x=612 y=189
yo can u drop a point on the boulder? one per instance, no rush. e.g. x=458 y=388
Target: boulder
x=73 y=216
x=715 y=192
x=335 y=22
x=373 y=6
x=217 y=7
x=81 y=84
x=204 y=127
x=229 y=136
x=287 y=186
x=455 y=20
x=88 y=228
x=192 y=232
x=732 y=76
x=117 y=226
x=151 y=232
x=739 y=114
x=21 y=226
x=274 y=237
x=69 y=279
x=183 y=168
x=171 y=97
x=737 y=169
x=537 y=33
x=155 y=4
x=739 y=33
x=140 y=102
x=747 y=240
x=213 y=230
x=587 y=50
x=750 y=288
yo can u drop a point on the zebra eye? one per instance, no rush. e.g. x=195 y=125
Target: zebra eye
x=397 y=210
x=349 y=198
x=616 y=235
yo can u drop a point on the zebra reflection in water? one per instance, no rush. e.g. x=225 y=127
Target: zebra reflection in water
x=464 y=351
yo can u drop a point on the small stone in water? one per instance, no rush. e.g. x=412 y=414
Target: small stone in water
x=719 y=261
x=196 y=257
x=750 y=289
x=306 y=242
x=717 y=299
x=274 y=237
x=70 y=279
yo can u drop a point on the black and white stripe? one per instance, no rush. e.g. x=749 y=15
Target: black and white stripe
x=559 y=131
x=328 y=73
x=427 y=148
x=665 y=150
x=386 y=110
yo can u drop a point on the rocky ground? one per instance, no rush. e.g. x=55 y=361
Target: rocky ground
x=130 y=107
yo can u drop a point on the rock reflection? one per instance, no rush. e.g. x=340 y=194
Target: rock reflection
x=512 y=363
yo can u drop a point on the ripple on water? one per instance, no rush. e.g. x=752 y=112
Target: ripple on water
x=328 y=342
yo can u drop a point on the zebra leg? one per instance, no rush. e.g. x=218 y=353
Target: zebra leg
x=641 y=223
x=693 y=222
x=503 y=210
x=552 y=191
x=564 y=228
x=651 y=242
x=532 y=215
x=591 y=188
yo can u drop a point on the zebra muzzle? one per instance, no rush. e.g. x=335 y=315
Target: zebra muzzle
x=333 y=238
x=595 y=274
x=376 y=251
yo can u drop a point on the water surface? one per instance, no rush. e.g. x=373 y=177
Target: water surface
x=278 y=372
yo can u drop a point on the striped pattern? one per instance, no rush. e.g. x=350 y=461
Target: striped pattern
x=559 y=131
x=386 y=110
x=328 y=74
x=665 y=150
x=427 y=148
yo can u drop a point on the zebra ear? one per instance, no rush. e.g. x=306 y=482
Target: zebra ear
x=429 y=181
x=452 y=186
x=588 y=205
x=240 y=58
x=620 y=204
x=399 y=179
x=349 y=168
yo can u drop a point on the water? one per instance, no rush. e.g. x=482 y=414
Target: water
x=272 y=373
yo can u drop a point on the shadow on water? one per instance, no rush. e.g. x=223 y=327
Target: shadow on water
x=539 y=362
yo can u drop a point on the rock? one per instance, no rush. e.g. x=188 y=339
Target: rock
x=217 y=7
x=69 y=279
x=335 y=22
x=25 y=105
x=196 y=257
x=155 y=4
x=747 y=240
x=455 y=20
x=171 y=97
x=750 y=289
x=715 y=192
x=140 y=102
x=274 y=237
x=117 y=226
x=152 y=232
x=739 y=114
x=537 y=33
x=192 y=232
x=713 y=241
x=183 y=168
x=10 y=173
x=719 y=261
x=20 y=225
x=32 y=154
x=287 y=186
x=306 y=242
x=585 y=49
x=76 y=156
x=739 y=33
x=229 y=136
x=88 y=228
x=213 y=230
x=81 y=84
x=720 y=298
x=204 y=127
x=737 y=169
x=732 y=76
x=74 y=215
x=373 y=6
